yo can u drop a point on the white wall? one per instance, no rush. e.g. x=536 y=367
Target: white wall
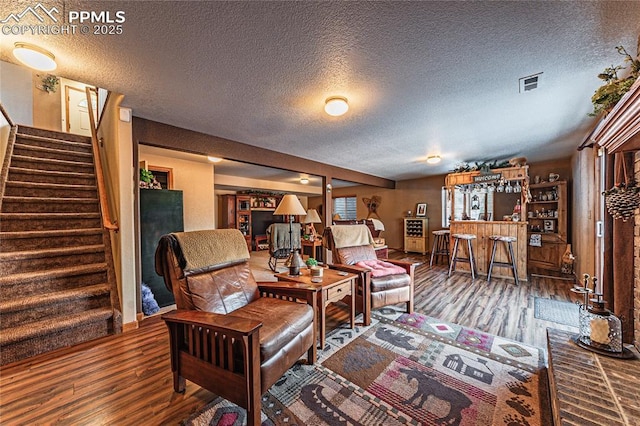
x=194 y=178
x=16 y=93
x=15 y=96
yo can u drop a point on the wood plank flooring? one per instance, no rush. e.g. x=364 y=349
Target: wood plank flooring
x=126 y=379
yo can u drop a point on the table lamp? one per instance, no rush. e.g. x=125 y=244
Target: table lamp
x=311 y=218
x=291 y=206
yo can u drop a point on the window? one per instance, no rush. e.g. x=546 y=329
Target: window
x=345 y=208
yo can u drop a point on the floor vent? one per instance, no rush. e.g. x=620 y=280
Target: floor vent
x=530 y=83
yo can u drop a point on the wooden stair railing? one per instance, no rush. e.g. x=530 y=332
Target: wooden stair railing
x=102 y=192
x=4 y=167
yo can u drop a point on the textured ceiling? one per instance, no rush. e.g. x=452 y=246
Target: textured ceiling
x=421 y=77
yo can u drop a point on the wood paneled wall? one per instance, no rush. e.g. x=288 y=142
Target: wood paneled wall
x=395 y=203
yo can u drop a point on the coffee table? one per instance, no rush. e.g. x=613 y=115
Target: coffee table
x=334 y=286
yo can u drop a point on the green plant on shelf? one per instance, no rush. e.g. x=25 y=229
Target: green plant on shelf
x=148 y=181
x=609 y=94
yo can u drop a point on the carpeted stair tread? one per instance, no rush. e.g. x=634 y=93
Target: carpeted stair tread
x=50 y=172
x=27 y=131
x=43 y=216
x=50 y=326
x=52 y=273
x=70 y=295
x=64 y=142
x=43 y=185
x=37 y=160
x=50 y=233
x=54 y=252
x=41 y=200
x=34 y=150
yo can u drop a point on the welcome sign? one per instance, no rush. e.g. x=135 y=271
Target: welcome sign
x=492 y=177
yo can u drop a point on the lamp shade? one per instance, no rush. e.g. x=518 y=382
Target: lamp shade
x=312 y=217
x=290 y=205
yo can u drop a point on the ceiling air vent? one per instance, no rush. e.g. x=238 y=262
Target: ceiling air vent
x=530 y=83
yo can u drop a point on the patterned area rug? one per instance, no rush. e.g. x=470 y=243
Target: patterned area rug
x=405 y=369
x=556 y=311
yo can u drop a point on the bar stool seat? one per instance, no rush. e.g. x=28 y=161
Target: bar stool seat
x=471 y=260
x=508 y=242
x=440 y=246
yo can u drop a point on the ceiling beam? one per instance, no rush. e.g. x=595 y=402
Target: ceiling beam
x=153 y=133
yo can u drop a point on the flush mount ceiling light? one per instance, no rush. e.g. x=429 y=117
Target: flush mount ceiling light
x=433 y=159
x=336 y=106
x=304 y=181
x=34 y=57
x=214 y=159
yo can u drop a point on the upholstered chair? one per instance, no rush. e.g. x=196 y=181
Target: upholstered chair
x=229 y=334
x=381 y=282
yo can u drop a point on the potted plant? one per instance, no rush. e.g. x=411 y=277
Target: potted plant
x=50 y=83
x=148 y=181
x=608 y=95
x=311 y=262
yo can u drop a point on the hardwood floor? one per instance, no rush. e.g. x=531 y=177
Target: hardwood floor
x=126 y=379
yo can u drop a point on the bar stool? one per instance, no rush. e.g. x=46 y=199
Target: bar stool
x=508 y=241
x=440 y=246
x=471 y=260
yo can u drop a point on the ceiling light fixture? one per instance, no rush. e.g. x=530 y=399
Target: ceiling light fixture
x=34 y=56
x=304 y=181
x=336 y=106
x=433 y=159
x=214 y=159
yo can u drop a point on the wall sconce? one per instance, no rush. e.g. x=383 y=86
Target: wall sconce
x=329 y=187
x=34 y=57
x=336 y=106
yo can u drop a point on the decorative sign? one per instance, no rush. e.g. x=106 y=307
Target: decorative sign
x=492 y=177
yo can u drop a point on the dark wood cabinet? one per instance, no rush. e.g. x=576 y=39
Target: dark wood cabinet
x=251 y=214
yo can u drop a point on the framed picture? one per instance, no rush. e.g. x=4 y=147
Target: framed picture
x=421 y=209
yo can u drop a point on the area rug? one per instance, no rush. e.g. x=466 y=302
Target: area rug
x=556 y=311
x=405 y=369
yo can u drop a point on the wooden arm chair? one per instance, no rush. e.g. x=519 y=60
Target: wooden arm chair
x=380 y=282
x=227 y=335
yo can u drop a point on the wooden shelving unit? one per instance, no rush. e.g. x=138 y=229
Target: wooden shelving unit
x=547 y=217
x=236 y=211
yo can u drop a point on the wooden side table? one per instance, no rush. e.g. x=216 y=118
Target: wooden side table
x=316 y=248
x=334 y=286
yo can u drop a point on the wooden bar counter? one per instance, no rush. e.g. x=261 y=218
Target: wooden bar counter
x=482 y=245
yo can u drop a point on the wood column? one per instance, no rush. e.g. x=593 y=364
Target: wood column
x=327 y=201
x=621 y=285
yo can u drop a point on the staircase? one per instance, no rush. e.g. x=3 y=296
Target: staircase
x=57 y=284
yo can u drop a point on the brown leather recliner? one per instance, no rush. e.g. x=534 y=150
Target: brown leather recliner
x=227 y=335
x=381 y=282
